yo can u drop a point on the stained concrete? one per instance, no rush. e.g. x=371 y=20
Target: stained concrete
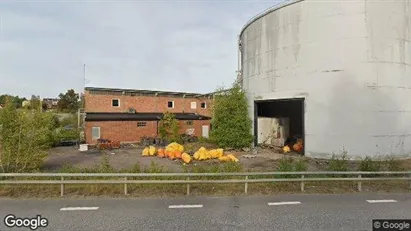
x=350 y=60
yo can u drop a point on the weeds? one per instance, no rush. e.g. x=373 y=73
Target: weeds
x=105 y=166
x=338 y=164
x=290 y=165
x=394 y=165
x=284 y=165
x=369 y=165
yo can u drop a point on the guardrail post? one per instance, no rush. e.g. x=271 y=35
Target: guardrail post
x=246 y=185
x=62 y=187
x=125 y=187
x=188 y=187
x=359 y=184
x=302 y=183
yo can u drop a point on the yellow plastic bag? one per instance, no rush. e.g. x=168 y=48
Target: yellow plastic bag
x=286 y=149
x=232 y=157
x=186 y=158
x=224 y=159
x=175 y=147
x=196 y=155
x=146 y=152
x=152 y=150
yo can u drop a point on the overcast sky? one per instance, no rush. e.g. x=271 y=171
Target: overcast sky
x=157 y=45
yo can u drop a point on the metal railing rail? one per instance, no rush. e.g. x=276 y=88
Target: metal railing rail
x=124 y=178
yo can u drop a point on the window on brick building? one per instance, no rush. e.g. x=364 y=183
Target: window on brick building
x=141 y=123
x=95 y=133
x=115 y=103
x=203 y=105
x=189 y=122
x=170 y=104
x=193 y=105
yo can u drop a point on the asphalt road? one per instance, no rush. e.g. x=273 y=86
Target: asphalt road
x=284 y=212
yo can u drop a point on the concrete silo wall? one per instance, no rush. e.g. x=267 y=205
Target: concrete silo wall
x=350 y=60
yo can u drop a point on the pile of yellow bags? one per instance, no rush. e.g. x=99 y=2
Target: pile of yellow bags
x=201 y=154
x=175 y=147
x=204 y=154
x=149 y=151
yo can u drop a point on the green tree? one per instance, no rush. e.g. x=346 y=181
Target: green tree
x=169 y=128
x=231 y=125
x=44 y=106
x=35 y=102
x=16 y=99
x=24 y=138
x=69 y=102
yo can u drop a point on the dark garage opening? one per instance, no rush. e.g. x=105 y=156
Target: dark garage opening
x=291 y=112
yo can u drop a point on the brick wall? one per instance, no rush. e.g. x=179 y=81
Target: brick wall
x=127 y=131
x=103 y=103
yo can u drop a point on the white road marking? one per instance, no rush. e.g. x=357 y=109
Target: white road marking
x=284 y=203
x=78 y=208
x=184 y=206
x=381 y=201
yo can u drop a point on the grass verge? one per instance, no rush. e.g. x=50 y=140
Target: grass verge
x=170 y=190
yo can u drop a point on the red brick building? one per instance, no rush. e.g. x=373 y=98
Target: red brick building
x=127 y=115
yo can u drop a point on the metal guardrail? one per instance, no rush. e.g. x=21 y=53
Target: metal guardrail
x=124 y=178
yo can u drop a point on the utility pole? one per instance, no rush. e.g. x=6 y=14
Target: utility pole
x=82 y=106
x=84 y=87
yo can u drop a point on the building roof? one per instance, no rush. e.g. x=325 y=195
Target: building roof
x=267 y=11
x=151 y=92
x=139 y=116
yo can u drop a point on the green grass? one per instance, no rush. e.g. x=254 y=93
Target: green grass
x=170 y=190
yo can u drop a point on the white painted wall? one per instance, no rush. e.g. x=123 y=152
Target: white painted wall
x=351 y=60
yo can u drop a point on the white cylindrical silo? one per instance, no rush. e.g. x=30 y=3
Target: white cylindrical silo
x=351 y=63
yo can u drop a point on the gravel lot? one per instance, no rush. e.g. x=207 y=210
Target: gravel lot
x=128 y=157
x=265 y=160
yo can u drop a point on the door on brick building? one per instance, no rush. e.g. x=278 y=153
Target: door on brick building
x=205 y=131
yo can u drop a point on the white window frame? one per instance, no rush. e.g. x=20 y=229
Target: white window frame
x=99 y=133
x=205 y=105
x=193 y=105
x=172 y=104
x=118 y=102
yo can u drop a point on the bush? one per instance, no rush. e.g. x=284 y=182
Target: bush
x=69 y=120
x=105 y=166
x=300 y=166
x=338 y=164
x=290 y=165
x=231 y=123
x=169 y=128
x=369 y=165
x=24 y=138
x=285 y=165
x=394 y=165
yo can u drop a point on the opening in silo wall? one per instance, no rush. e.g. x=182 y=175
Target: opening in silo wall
x=279 y=123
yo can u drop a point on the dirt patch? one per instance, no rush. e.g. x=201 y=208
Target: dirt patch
x=119 y=159
x=127 y=157
x=264 y=161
